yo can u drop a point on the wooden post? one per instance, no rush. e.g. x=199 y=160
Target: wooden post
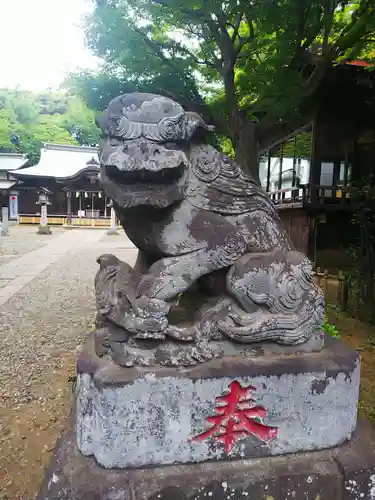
x=345 y=294
x=340 y=288
x=325 y=289
x=92 y=210
x=69 y=207
x=318 y=275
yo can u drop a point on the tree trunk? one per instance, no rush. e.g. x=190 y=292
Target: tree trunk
x=242 y=131
x=246 y=148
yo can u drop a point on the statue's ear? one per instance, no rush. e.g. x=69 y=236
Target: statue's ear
x=109 y=120
x=107 y=123
x=196 y=126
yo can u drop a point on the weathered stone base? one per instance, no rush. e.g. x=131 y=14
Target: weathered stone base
x=4 y=231
x=44 y=230
x=136 y=417
x=343 y=473
x=112 y=232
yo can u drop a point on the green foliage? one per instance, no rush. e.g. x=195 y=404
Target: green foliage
x=330 y=329
x=299 y=146
x=186 y=41
x=235 y=61
x=98 y=89
x=28 y=119
x=6 y=129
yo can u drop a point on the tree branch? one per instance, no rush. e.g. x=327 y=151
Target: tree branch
x=251 y=28
x=236 y=26
x=195 y=13
x=216 y=64
x=202 y=109
x=327 y=23
x=302 y=16
x=245 y=40
x=156 y=48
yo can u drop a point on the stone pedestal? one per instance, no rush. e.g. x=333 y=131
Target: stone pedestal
x=264 y=427
x=342 y=473
x=133 y=417
x=44 y=230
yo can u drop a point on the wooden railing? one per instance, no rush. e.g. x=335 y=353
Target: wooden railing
x=315 y=195
x=53 y=220
x=343 y=292
x=335 y=287
x=289 y=196
x=64 y=220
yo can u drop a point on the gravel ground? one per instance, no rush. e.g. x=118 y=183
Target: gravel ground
x=22 y=240
x=42 y=329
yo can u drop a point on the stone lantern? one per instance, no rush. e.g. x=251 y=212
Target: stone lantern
x=43 y=201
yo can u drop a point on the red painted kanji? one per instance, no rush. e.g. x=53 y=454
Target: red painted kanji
x=237 y=417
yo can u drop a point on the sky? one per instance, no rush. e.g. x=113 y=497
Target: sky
x=41 y=41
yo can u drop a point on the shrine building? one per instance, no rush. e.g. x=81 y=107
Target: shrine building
x=71 y=175
x=8 y=183
x=313 y=166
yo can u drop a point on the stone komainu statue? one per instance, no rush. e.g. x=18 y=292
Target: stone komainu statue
x=214 y=268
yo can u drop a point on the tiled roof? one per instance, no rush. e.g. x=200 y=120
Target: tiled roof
x=60 y=161
x=4 y=184
x=11 y=161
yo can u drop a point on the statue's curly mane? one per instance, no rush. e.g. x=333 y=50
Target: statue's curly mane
x=218 y=184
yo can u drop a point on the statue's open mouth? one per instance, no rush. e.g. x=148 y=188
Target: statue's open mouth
x=144 y=176
x=143 y=172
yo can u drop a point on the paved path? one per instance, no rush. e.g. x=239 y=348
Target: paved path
x=47 y=304
x=47 y=308
x=19 y=272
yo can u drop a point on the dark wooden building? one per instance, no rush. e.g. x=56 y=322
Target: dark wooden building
x=71 y=174
x=312 y=173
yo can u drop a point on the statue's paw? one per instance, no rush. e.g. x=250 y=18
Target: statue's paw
x=149 y=321
x=146 y=327
x=183 y=334
x=146 y=307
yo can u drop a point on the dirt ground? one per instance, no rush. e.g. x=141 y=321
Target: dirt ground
x=30 y=433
